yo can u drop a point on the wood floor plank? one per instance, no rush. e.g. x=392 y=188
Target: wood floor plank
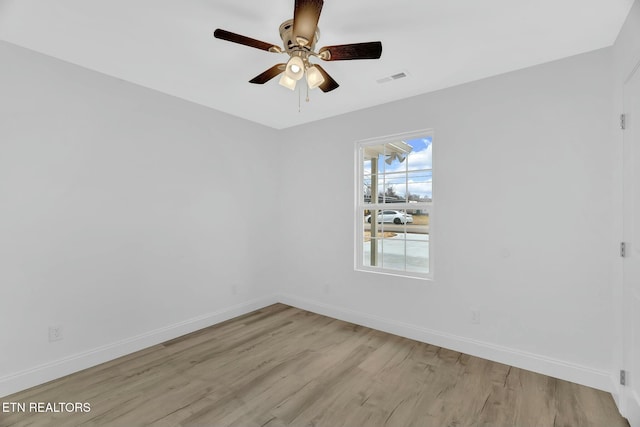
x=281 y=366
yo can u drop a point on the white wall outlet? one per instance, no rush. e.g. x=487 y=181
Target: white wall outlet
x=55 y=333
x=475 y=316
x=234 y=289
x=327 y=288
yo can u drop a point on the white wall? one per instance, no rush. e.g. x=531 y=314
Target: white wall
x=125 y=217
x=522 y=225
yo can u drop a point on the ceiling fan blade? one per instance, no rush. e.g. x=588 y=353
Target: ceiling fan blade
x=306 y=14
x=261 y=79
x=329 y=84
x=369 y=50
x=247 y=41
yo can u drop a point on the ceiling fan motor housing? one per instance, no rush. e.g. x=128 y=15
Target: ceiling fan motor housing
x=290 y=45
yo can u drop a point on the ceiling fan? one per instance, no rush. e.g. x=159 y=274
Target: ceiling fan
x=299 y=36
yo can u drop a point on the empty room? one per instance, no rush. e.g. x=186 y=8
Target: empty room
x=320 y=213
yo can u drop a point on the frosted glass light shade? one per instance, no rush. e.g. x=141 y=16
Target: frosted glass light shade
x=295 y=68
x=287 y=82
x=314 y=77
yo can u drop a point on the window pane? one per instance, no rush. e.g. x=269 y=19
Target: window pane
x=369 y=216
x=370 y=245
x=393 y=253
x=420 y=222
x=421 y=155
x=417 y=238
x=366 y=166
x=372 y=234
x=395 y=156
x=395 y=188
x=419 y=184
x=418 y=254
x=366 y=188
x=373 y=181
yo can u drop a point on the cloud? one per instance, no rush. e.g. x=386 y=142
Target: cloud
x=421 y=159
x=421 y=188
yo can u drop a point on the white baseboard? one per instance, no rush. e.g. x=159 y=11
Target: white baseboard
x=49 y=371
x=616 y=391
x=631 y=409
x=556 y=368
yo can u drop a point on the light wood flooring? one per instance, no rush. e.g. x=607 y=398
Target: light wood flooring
x=281 y=366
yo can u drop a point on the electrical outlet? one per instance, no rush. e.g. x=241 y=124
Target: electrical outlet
x=55 y=333
x=234 y=289
x=475 y=316
x=327 y=288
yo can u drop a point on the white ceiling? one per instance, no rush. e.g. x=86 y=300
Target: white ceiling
x=169 y=46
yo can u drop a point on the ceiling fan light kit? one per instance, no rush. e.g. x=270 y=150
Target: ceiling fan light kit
x=299 y=36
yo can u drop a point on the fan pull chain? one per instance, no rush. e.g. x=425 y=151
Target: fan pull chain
x=307 y=92
x=299 y=96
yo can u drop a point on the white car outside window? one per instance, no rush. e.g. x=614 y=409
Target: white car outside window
x=396 y=217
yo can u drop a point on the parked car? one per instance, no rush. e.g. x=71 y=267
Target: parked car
x=396 y=217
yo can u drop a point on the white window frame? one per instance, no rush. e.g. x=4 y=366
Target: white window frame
x=360 y=206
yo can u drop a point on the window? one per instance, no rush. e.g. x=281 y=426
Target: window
x=394 y=204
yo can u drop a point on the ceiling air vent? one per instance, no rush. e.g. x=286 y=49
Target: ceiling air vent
x=392 y=77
